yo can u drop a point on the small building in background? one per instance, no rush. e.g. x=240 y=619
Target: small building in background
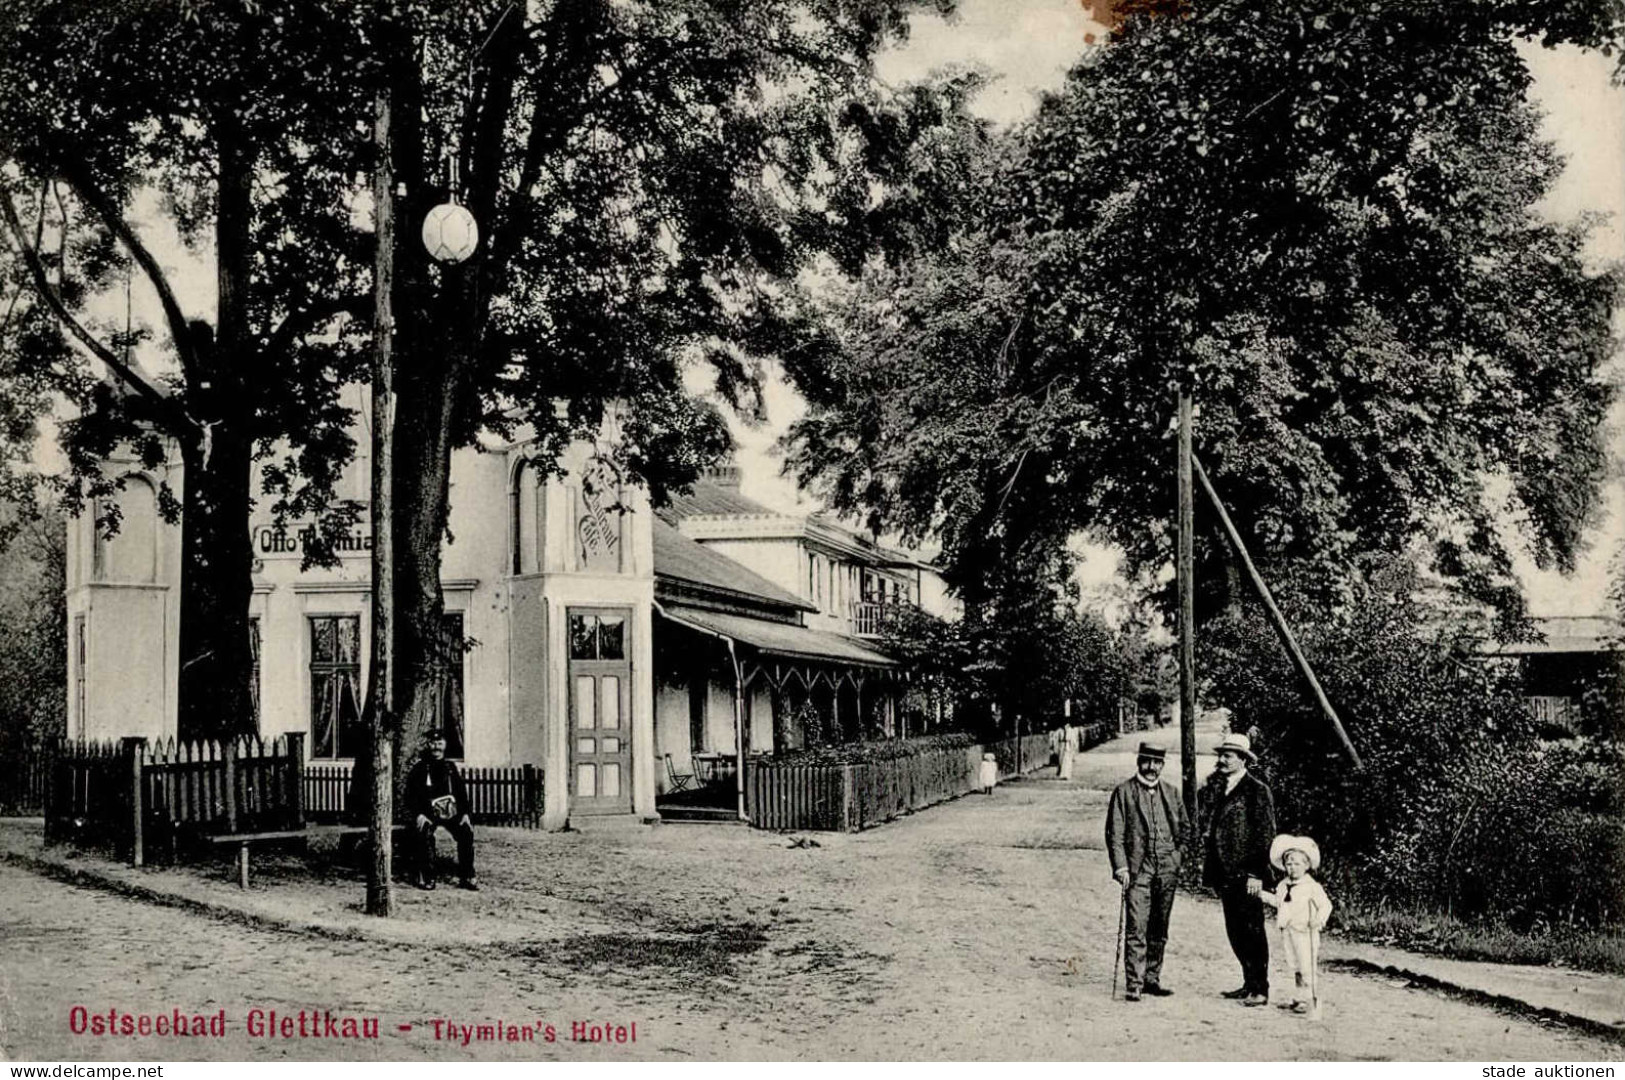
x=1574 y=675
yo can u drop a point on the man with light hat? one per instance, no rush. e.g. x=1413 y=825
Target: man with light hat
x=1240 y=826
x=1145 y=832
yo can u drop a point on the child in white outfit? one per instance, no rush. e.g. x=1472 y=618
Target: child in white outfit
x=989 y=772
x=1301 y=907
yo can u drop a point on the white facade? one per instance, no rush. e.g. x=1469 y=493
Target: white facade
x=552 y=585
x=532 y=559
x=123 y=605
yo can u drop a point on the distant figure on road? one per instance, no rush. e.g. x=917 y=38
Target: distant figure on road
x=437 y=799
x=989 y=773
x=1240 y=825
x=1068 y=750
x=1145 y=829
x=1301 y=907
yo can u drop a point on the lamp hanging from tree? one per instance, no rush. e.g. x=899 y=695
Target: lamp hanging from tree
x=450 y=232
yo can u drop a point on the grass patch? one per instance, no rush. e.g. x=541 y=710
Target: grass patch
x=1582 y=948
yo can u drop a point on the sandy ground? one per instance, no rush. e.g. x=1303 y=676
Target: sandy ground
x=983 y=928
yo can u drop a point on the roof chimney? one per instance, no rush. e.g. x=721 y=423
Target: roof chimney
x=723 y=476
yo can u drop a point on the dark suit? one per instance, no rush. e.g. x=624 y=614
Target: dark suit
x=1145 y=829
x=1240 y=826
x=431 y=779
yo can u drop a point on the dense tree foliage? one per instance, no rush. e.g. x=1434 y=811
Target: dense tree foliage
x=204 y=110
x=1025 y=649
x=1326 y=216
x=648 y=179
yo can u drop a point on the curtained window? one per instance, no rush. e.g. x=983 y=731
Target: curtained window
x=335 y=686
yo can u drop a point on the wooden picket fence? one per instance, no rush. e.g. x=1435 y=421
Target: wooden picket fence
x=88 y=793
x=24 y=775
x=1092 y=735
x=497 y=795
x=785 y=796
x=857 y=795
x=327 y=793
x=247 y=784
x=504 y=795
x=882 y=790
x=1021 y=754
x=138 y=796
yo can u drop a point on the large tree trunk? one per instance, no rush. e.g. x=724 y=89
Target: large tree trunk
x=215 y=663
x=422 y=488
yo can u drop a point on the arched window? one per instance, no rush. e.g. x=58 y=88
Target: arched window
x=525 y=510
x=132 y=554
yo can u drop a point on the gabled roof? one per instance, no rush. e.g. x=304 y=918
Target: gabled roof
x=711 y=499
x=691 y=566
x=717 y=511
x=1568 y=634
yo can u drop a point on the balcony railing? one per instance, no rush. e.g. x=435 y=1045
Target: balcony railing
x=869 y=617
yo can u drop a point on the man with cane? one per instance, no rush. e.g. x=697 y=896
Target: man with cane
x=1145 y=831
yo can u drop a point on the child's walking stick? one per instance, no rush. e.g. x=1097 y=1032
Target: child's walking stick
x=1314 y=965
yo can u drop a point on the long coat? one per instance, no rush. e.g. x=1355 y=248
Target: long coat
x=1239 y=831
x=1127 y=830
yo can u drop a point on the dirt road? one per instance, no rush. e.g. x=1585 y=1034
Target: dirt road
x=979 y=929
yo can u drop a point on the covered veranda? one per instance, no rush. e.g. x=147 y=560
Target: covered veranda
x=755 y=687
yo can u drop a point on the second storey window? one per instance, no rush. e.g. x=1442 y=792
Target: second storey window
x=335 y=686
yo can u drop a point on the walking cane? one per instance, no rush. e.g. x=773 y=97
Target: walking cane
x=1117 y=942
x=1314 y=966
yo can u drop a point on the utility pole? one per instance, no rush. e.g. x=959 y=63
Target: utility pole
x=1187 y=605
x=381 y=808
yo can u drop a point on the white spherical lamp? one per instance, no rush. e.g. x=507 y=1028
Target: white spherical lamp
x=450 y=233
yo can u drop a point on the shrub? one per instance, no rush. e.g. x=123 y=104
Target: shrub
x=1460 y=808
x=879 y=750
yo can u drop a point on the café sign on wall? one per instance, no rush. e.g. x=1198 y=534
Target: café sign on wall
x=290 y=541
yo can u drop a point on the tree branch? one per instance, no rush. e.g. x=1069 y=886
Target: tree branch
x=53 y=300
x=310 y=318
x=79 y=177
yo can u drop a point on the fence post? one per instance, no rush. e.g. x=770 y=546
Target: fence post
x=135 y=752
x=296 y=775
x=231 y=784
x=846 y=798
x=530 y=802
x=53 y=755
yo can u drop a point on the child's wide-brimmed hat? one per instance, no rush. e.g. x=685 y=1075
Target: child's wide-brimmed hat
x=1287 y=842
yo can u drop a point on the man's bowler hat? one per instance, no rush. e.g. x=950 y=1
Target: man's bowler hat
x=1152 y=751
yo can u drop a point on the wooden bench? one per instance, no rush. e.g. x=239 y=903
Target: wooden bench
x=245 y=841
